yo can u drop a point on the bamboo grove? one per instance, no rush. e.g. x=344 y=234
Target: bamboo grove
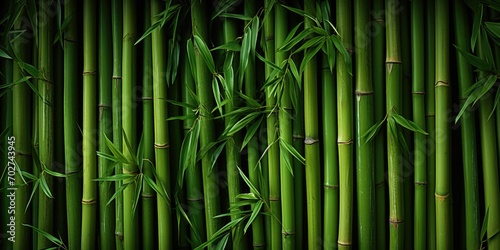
x=247 y=124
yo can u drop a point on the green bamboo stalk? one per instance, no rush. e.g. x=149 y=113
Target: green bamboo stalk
x=330 y=157
x=285 y=135
x=148 y=196
x=35 y=135
x=468 y=128
x=491 y=182
x=106 y=212
x=272 y=127
x=71 y=132
x=430 y=124
x=21 y=127
x=161 y=139
x=394 y=154
x=364 y=120
x=130 y=221
x=45 y=122
x=345 y=128
x=207 y=135
x=378 y=64
x=254 y=170
x=233 y=143
x=418 y=92
x=89 y=210
x=443 y=180
x=117 y=30
x=299 y=173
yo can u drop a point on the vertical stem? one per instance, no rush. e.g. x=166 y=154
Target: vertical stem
x=468 y=131
x=45 y=122
x=345 y=127
x=89 y=210
x=364 y=120
x=418 y=92
x=393 y=93
x=71 y=131
x=442 y=83
x=106 y=211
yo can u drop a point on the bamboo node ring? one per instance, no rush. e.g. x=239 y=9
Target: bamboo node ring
x=310 y=141
x=164 y=145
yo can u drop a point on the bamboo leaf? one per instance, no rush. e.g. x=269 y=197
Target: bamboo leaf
x=33 y=191
x=117 y=177
x=130 y=157
x=293 y=152
x=229 y=46
x=115 y=151
x=8 y=85
x=330 y=54
x=302 y=13
x=247 y=196
x=183 y=104
x=46 y=235
x=343 y=51
x=138 y=189
x=268 y=63
x=486 y=48
x=486 y=219
x=255 y=212
x=205 y=53
x=31 y=70
x=118 y=191
x=249 y=183
x=242 y=123
x=408 y=124
x=245 y=53
x=235 y=16
x=56 y=174
x=478 y=17
x=251 y=131
x=316 y=41
x=308 y=56
x=217 y=94
x=477 y=62
x=191 y=58
x=495 y=105
x=493 y=28
x=153 y=185
x=45 y=187
x=4 y=55
x=173 y=61
x=288 y=45
x=222 y=243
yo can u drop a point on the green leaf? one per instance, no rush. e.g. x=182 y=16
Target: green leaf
x=229 y=46
x=4 y=55
x=478 y=17
x=487 y=53
x=251 y=131
x=343 y=51
x=249 y=183
x=56 y=174
x=247 y=196
x=309 y=54
x=35 y=188
x=292 y=151
x=183 y=104
x=217 y=94
x=117 y=177
x=118 y=191
x=242 y=123
x=288 y=45
x=408 y=124
x=486 y=219
x=45 y=187
x=191 y=58
x=477 y=62
x=235 y=16
x=493 y=28
x=155 y=187
x=31 y=70
x=48 y=236
x=302 y=13
x=138 y=189
x=255 y=212
x=316 y=41
x=245 y=53
x=8 y=85
x=205 y=53
x=115 y=151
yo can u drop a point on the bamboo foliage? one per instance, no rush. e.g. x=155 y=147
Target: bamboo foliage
x=272 y=106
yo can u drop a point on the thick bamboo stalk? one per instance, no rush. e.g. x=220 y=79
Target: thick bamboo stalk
x=117 y=30
x=365 y=185
x=207 y=129
x=71 y=132
x=106 y=211
x=89 y=198
x=418 y=92
x=443 y=170
x=468 y=128
x=394 y=154
x=378 y=70
x=45 y=122
x=21 y=127
x=345 y=128
x=161 y=139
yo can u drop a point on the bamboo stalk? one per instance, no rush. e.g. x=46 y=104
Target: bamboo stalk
x=130 y=220
x=364 y=120
x=71 y=132
x=378 y=55
x=430 y=124
x=148 y=197
x=45 y=122
x=442 y=81
x=418 y=92
x=161 y=139
x=207 y=135
x=21 y=127
x=468 y=128
x=89 y=210
x=394 y=154
x=117 y=30
x=272 y=124
x=106 y=212
x=345 y=128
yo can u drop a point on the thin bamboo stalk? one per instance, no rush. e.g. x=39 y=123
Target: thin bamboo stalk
x=71 y=132
x=45 y=122
x=345 y=128
x=21 y=127
x=430 y=124
x=117 y=30
x=418 y=92
x=468 y=128
x=443 y=175
x=364 y=120
x=106 y=211
x=89 y=209
x=378 y=63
